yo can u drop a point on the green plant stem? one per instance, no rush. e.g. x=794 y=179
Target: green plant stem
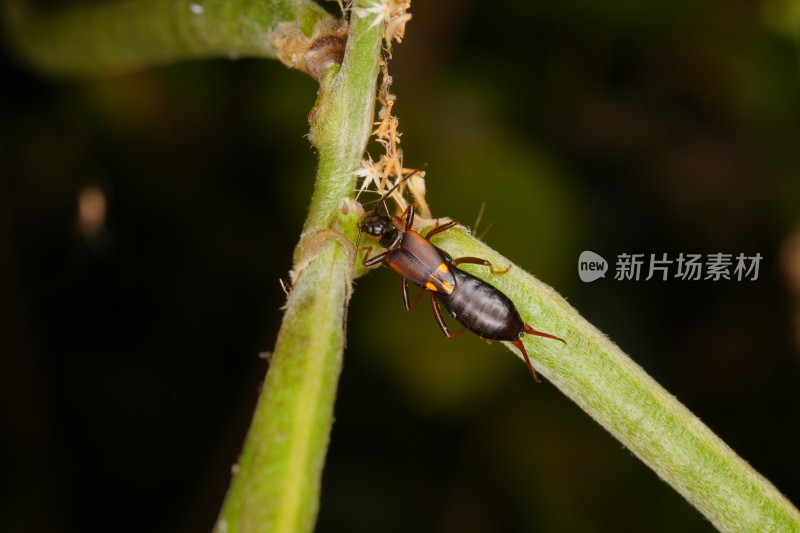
x=98 y=38
x=618 y=394
x=277 y=485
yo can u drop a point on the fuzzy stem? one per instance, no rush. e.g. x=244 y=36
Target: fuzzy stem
x=277 y=485
x=618 y=394
x=98 y=38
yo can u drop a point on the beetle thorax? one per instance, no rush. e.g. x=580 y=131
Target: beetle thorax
x=392 y=236
x=393 y=233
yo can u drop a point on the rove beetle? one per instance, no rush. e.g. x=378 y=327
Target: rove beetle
x=476 y=304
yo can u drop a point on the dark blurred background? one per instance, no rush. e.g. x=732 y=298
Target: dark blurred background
x=145 y=222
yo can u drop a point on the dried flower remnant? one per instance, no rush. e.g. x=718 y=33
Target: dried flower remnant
x=372 y=174
x=393 y=13
x=388 y=171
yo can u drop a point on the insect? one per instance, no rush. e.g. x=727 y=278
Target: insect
x=476 y=304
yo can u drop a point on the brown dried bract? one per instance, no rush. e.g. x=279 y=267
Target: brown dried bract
x=312 y=55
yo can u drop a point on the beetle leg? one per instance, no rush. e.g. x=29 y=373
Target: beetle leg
x=479 y=261
x=439 y=229
x=437 y=313
x=406 y=305
x=529 y=330
x=408 y=215
x=380 y=258
x=518 y=344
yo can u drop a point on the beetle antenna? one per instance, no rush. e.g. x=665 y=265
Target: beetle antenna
x=400 y=182
x=396 y=185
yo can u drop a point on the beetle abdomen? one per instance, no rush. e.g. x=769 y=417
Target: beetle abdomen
x=482 y=308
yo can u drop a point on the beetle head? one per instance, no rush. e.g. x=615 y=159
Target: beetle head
x=376 y=224
x=381 y=227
